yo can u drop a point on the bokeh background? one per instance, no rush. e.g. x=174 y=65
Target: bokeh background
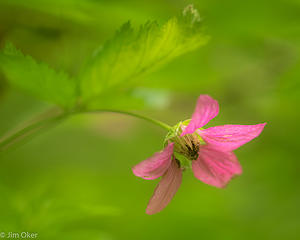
x=75 y=181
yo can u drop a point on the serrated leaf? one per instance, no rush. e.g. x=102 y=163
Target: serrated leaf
x=130 y=54
x=37 y=78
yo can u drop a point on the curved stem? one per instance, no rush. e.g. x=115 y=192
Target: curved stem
x=156 y=122
x=52 y=118
x=29 y=130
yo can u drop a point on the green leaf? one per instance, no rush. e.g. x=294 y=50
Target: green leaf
x=130 y=54
x=37 y=78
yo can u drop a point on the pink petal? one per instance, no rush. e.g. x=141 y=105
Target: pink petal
x=230 y=137
x=206 y=109
x=214 y=167
x=166 y=189
x=156 y=165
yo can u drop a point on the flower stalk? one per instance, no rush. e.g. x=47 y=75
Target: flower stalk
x=151 y=120
x=51 y=118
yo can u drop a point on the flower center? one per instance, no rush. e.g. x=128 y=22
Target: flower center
x=188 y=145
x=186 y=148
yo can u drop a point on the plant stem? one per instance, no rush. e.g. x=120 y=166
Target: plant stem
x=156 y=122
x=52 y=118
x=30 y=129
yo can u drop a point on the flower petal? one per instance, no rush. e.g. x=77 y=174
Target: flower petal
x=156 y=165
x=230 y=137
x=166 y=189
x=206 y=109
x=214 y=167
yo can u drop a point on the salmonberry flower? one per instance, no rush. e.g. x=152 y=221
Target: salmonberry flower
x=207 y=151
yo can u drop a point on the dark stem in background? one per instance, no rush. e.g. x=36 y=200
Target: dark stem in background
x=51 y=118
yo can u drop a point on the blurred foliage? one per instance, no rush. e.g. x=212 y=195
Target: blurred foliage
x=113 y=66
x=75 y=181
x=37 y=78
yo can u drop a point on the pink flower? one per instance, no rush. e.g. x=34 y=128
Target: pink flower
x=207 y=151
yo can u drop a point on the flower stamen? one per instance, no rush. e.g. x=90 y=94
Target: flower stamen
x=188 y=145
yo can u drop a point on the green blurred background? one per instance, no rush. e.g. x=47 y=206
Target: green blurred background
x=75 y=181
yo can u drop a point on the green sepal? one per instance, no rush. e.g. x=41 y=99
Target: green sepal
x=186 y=122
x=173 y=132
x=185 y=163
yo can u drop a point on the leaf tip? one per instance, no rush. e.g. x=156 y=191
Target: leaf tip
x=191 y=18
